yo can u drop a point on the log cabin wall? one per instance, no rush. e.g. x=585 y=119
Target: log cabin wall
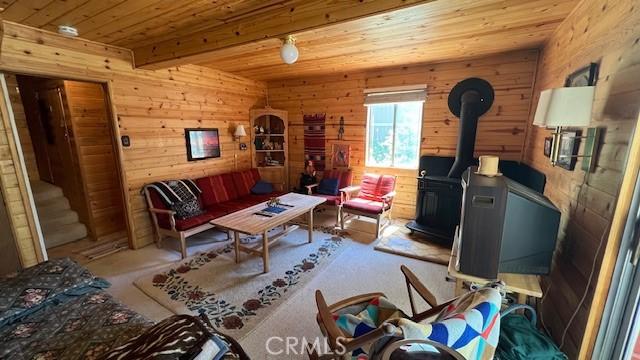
x=501 y=131
x=152 y=107
x=608 y=32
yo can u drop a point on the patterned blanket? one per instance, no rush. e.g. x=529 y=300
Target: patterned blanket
x=470 y=325
x=360 y=319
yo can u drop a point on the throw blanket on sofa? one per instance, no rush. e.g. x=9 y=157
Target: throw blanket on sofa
x=175 y=191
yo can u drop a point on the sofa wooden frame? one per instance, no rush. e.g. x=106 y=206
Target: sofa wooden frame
x=387 y=199
x=173 y=232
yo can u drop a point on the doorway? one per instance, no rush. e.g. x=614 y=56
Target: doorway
x=67 y=138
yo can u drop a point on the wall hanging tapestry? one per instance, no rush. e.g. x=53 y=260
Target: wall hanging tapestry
x=314 y=146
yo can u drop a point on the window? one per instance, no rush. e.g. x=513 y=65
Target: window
x=393 y=134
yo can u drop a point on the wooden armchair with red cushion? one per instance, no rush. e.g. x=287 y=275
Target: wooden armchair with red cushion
x=344 y=178
x=373 y=199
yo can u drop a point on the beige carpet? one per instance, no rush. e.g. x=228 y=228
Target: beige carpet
x=404 y=246
x=238 y=297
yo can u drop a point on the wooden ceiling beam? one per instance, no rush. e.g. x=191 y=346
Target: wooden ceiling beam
x=300 y=16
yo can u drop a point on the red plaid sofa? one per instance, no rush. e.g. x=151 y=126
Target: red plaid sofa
x=222 y=194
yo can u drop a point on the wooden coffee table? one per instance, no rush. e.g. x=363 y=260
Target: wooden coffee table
x=246 y=221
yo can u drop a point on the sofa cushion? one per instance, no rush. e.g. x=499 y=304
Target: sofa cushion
x=365 y=205
x=262 y=188
x=374 y=187
x=328 y=186
x=186 y=224
x=245 y=180
x=214 y=190
x=227 y=183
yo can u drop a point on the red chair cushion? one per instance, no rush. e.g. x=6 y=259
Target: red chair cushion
x=364 y=205
x=345 y=177
x=331 y=199
x=227 y=183
x=374 y=187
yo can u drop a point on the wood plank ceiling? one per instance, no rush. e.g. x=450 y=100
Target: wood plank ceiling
x=379 y=33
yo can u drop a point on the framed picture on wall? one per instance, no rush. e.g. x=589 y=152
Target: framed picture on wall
x=569 y=145
x=548 y=141
x=202 y=144
x=585 y=76
x=340 y=155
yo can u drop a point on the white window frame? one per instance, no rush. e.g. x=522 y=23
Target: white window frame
x=393 y=145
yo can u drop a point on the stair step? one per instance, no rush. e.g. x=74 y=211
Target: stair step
x=43 y=191
x=62 y=217
x=50 y=208
x=64 y=234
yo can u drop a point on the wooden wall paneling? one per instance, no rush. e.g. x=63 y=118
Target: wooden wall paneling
x=587 y=201
x=151 y=107
x=15 y=190
x=500 y=131
x=22 y=127
x=88 y=113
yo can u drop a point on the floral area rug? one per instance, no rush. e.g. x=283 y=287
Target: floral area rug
x=237 y=297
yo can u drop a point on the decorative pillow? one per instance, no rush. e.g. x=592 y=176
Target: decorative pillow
x=43 y=284
x=187 y=208
x=261 y=188
x=177 y=337
x=328 y=186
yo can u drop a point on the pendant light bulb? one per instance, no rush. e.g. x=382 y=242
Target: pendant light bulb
x=289 y=51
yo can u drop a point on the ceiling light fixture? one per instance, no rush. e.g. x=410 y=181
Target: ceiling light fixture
x=289 y=51
x=67 y=30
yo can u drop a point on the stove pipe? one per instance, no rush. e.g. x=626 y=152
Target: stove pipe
x=468 y=100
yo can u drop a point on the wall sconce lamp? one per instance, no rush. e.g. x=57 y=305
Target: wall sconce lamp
x=568 y=107
x=239 y=133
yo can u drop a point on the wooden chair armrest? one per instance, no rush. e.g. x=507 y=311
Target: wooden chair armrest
x=347 y=192
x=171 y=213
x=389 y=196
x=310 y=188
x=414 y=283
x=162 y=211
x=432 y=312
x=358 y=299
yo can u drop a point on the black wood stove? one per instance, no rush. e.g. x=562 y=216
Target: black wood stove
x=439 y=188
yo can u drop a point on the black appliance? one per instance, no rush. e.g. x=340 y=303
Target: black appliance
x=439 y=194
x=504 y=227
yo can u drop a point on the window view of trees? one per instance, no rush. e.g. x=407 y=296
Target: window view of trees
x=394 y=134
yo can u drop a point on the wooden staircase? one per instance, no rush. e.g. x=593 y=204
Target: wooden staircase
x=59 y=223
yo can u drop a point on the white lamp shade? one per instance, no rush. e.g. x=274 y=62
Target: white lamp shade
x=289 y=53
x=240 y=132
x=567 y=107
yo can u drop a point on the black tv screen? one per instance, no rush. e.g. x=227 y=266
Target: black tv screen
x=202 y=144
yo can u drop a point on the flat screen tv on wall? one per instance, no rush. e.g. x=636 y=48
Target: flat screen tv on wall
x=202 y=144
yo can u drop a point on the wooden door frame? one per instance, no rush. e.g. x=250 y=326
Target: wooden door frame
x=20 y=167
x=115 y=131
